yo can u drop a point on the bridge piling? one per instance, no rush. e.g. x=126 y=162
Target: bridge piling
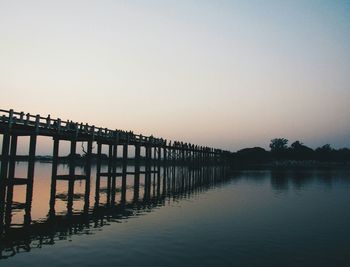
x=30 y=173
x=56 y=143
x=109 y=173
x=98 y=174
x=10 y=179
x=137 y=173
x=124 y=172
x=114 y=171
x=71 y=178
x=88 y=173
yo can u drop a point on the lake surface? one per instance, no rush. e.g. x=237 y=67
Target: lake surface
x=182 y=217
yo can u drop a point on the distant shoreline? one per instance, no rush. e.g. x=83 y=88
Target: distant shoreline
x=291 y=164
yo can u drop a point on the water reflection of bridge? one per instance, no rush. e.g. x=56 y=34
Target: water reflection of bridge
x=161 y=184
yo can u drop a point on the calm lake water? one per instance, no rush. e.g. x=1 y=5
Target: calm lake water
x=182 y=217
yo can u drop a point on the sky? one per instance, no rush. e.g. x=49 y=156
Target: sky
x=227 y=74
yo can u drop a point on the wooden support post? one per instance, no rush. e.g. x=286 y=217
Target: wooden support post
x=125 y=162
x=10 y=179
x=159 y=154
x=70 y=197
x=3 y=176
x=148 y=176
x=12 y=166
x=137 y=152
x=125 y=152
x=88 y=175
x=11 y=119
x=109 y=178
x=54 y=175
x=73 y=146
x=98 y=174
x=137 y=173
x=114 y=172
x=30 y=174
x=137 y=182
x=148 y=153
x=4 y=158
x=165 y=156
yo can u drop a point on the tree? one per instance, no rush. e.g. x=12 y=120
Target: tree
x=297 y=145
x=325 y=148
x=278 y=144
x=299 y=151
x=251 y=155
x=325 y=152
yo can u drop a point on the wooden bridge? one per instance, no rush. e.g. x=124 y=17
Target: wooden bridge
x=158 y=151
x=14 y=124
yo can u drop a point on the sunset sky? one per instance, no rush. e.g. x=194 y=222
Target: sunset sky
x=228 y=74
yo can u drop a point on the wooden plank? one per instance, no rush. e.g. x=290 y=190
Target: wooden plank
x=17 y=181
x=68 y=177
x=106 y=174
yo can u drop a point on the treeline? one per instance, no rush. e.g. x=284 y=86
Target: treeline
x=297 y=151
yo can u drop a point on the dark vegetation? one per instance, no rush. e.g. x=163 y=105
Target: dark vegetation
x=280 y=154
x=296 y=152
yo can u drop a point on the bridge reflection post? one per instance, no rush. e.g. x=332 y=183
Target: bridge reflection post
x=165 y=172
x=153 y=175
x=173 y=179
x=183 y=179
x=158 y=181
x=189 y=180
x=168 y=180
x=147 y=188
x=191 y=175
